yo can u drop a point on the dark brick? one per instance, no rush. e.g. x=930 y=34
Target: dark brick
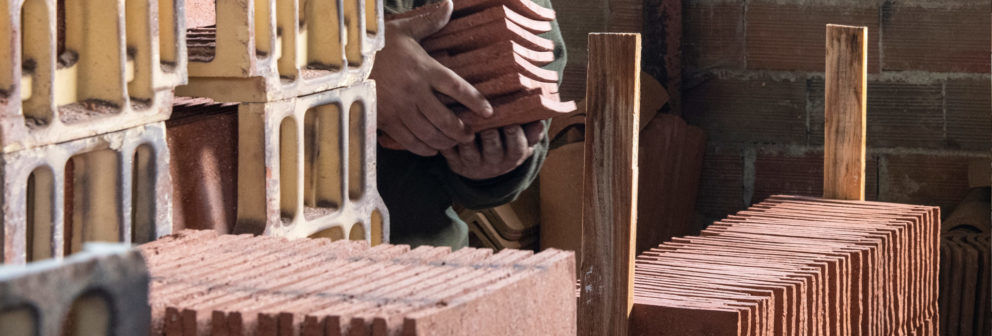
x=800 y=172
x=714 y=34
x=793 y=37
x=749 y=110
x=722 y=183
x=969 y=114
x=928 y=179
x=955 y=38
x=899 y=114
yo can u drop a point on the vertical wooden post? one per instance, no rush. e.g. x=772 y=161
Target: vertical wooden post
x=845 y=110
x=609 y=205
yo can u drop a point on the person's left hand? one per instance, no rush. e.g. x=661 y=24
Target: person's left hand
x=499 y=151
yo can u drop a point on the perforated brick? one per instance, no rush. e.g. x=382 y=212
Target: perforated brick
x=206 y=284
x=306 y=167
x=100 y=291
x=112 y=187
x=93 y=67
x=268 y=50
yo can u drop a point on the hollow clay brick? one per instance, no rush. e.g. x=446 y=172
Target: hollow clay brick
x=315 y=287
x=114 y=273
x=820 y=267
x=524 y=7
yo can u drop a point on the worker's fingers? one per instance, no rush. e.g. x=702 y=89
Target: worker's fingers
x=406 y=138
x=534 y=131
x=443 y=119
x=424 y=130
x=427 y=23
x=492 y=147
x=451 y=84
x=516 y=143
x=469 y=153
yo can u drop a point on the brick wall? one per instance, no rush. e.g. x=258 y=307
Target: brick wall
x=753 y=79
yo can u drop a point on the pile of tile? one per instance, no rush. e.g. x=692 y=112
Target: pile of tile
x=209 y=284
x=964 y=284
x=494 y=45
x=796 y=266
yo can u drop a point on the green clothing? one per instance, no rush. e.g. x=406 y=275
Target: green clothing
x=419 y=191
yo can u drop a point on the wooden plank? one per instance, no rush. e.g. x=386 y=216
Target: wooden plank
x=845 y=110
x=609 y=211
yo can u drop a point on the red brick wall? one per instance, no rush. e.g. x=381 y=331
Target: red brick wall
x=753 y=80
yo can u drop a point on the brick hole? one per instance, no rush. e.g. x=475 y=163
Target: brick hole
x=7 y=81
x=334 y=233
x=143 y=195
x=376 y=226
x=352 y=21
x=357 y=232
x=322 y=171
x=90 y=315
x=92 y=199
x=167 y=37
x=138 y=67
x=36 y=63
x=201 y=31
x=87 y=80
x=288 y=169
x=287 y=49
x=40 y=212
x=19 y=320
x=371 y=24
x=263 y=33
x=323 y=38
x=356 y=152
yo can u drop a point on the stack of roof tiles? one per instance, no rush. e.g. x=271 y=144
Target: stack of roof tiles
x=796 y=266
x=209 y=284
x=494 y=45
x=964 y=284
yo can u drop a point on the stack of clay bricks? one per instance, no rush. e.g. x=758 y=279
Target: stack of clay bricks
x=102 y=290
x=494 y=45
x=306 y=113
x=84 y=88
x=796 y=266
x=964 y=284
x=209 y=284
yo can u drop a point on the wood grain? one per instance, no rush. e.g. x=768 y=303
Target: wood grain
x=609 y=202
x=845 y=110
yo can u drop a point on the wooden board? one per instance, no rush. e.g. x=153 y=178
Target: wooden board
x=845 y=110
x=610 y=183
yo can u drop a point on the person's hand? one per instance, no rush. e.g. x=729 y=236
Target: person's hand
x=407 y=79
x=498 y=152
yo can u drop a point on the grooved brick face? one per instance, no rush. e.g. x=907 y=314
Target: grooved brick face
x=781 y=172
x=721 y=181
x=206 y=284
x=935 y=37
x=791 y=37
x=749 y=110
x=912 y=178
x=714 y=34
x=969 y=123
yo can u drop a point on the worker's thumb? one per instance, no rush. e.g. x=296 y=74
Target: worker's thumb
x=429 y=20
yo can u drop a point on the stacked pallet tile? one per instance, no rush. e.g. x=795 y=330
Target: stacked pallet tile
x=84 y=88
x=493 y=44
x=306 y=114
x=102 y=290
x=209 y=284
x=796 y=266
x=964 y=284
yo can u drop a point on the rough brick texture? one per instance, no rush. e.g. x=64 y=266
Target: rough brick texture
x=968 y=121
x=205 y=284
x=939 y=36
x=911 y=178
x=799 y=171
x=114 y=68
x=111 y=187
x=750 y=109
x=964 y=284
x=796 y=265
x=103 y=290
x=306 y=166
x=714 y=34
x=324 y=45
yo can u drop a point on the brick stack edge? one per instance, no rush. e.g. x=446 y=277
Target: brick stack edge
x=209 y=284
x=37 y=299
x=796 y=266
x=494 y=45
x=964 y=284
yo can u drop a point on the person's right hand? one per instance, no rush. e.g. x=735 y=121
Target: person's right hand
x=407 y=79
